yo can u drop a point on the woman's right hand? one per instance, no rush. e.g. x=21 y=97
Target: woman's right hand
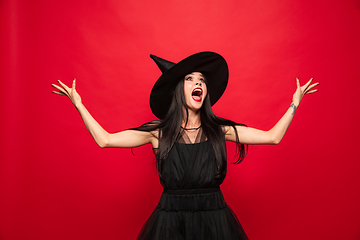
x=71 y=93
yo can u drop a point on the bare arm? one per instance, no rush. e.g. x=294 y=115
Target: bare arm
x=248 y=135
x=124 y=139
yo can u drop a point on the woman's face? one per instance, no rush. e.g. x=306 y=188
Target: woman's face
x=194 y=90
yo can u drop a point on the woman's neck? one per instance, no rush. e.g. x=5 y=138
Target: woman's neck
x=194 y=120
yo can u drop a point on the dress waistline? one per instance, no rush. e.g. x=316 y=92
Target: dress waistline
x=191 y=191
x=192 y=200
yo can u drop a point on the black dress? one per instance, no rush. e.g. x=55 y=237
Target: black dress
x=192 y=206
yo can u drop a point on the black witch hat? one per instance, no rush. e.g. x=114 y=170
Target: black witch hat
x=210 y=64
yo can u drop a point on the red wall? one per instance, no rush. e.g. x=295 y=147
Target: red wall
x=55 y=183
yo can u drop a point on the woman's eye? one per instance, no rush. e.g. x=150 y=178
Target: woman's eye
x=188 y=78
x=203 y=80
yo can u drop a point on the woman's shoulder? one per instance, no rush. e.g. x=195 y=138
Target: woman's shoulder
x=226 y=128
x=152 y=128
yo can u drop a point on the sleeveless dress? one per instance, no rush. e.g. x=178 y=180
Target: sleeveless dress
x=191 y=206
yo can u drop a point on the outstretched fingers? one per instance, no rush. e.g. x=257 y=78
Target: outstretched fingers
x=305 y=87
x=307 y=90
x=61 y=91
x=66 y=88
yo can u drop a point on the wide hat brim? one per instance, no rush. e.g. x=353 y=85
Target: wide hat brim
x=212 y=65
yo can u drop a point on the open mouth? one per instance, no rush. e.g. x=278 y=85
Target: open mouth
x=197 y=94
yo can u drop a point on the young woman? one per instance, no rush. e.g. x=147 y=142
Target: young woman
x=189 y=145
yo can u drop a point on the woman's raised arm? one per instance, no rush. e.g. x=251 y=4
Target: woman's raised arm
x=124 y=139
x=248 y=135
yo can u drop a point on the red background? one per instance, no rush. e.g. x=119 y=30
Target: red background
x=55 y=183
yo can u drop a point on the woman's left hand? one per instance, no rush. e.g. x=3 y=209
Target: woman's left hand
x=302 y=90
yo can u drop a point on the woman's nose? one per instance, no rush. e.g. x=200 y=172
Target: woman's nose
x=198 y=84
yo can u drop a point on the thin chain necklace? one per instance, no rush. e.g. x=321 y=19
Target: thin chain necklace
x=196 y=128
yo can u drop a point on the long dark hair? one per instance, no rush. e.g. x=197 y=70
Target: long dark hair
x=212 y=127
